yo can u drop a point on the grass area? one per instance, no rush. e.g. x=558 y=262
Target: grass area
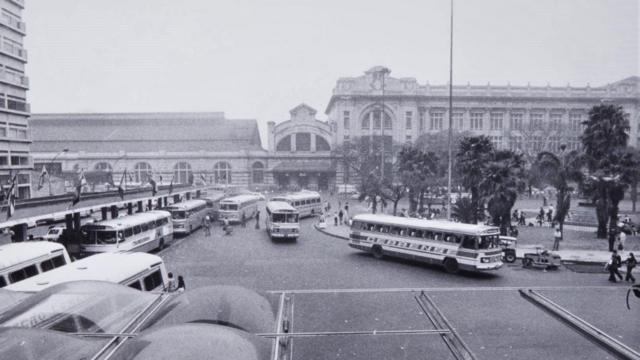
x=573 y=239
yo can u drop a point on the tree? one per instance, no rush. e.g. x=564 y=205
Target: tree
x=464 y=210
x=605 y=139
x=501 y=181
x=417 y=171
x=472 y=156
x=558 y=171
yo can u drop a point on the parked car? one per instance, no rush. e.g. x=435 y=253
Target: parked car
x=53 y=233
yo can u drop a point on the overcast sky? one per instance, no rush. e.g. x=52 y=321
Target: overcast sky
x=258 y=59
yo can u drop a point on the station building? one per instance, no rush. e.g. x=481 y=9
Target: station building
x=298 y=152
x=14 y=109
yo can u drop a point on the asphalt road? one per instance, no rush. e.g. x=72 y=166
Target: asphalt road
x=335 y=288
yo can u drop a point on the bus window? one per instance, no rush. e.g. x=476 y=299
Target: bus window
x=106 y=237
x=418 y=234
x=59 y=261
x=3 y=282
x=178 y=215
x=23 y=273
x=488 y=242
x=136 y=229
x=144 y=227
x=46 y=265
x=279 y=218
x=128 y=232
x=469 y=242
x=153 y=281
x=292 y=218
x=428 y=235
x=135 y=285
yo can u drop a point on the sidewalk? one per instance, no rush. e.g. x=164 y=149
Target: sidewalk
x=579 y=256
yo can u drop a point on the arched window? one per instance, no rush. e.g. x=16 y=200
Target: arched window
x=322 y=144
x=375 y=116
x=182 y=173
x=257 y=171
x=141 y=172
x=103 y=166
x=222 y=173
x=303 y=142
x=284 y=144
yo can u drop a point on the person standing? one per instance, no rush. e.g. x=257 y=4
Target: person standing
x=340 y=216
x=243 y=220
x=523 y=220
x=631 y=264
x=335 y=219
x=258 y=219
x=557 y=237
x=171 y=285
x=181 y=285
x=206 y=225
x=622 y=238
x=614 y=265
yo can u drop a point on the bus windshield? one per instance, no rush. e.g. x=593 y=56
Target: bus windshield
x=106 y=237
x=285 y=218
x=231 y=207
x=488 y=242
x=178 y=215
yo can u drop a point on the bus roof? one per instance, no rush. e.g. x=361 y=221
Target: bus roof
x=123 y=222
x=186 y=205
x=470 y=229
x=274 y=206
x=111 y=267
x=16 y=253
x=241 y=198
x=305 y=194
x=214 y=196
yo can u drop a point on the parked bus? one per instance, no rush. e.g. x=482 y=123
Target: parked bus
x=138 y=232
x=19 y=261
x=308 y=203
x=282 y=220
x=234 y=207
x=187 y=215
x=456 y=246
x=137 y=270
x=213 y=203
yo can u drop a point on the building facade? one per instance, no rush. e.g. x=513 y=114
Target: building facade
x=526 y=118
x=14 y=109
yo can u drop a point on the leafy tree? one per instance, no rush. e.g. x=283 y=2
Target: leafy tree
x=605 y=139
x=466 y=211
x=472 y=156
x=559 y=171
x=417 y=170
x=502 y=179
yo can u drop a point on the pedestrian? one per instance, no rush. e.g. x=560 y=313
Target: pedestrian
x=515 y=215
x=614 y=265
x=226 y=227
x=206 y=225
x=340 y=216
x=346 y=206
x=550 y=214
x=557 y=237
x=541 y=213
x=631 y=263
x=243 y=222
x=612 y=239
x=335 y=219
x=181 y=285
x=171 y=283
x=258 y=219
x=622 y=238
x=522 y=219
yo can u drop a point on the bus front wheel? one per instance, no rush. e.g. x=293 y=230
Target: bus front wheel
x=451 y=265
x=377 y=251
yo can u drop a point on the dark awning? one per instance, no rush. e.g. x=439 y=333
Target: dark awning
x=304 y=166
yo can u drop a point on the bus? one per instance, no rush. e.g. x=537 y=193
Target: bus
x=456 y=246
x=282 y=220
x=19 y=261
x=140 y=271
x=308 y=203
x=138 y=232
x=187 y=215
x=213 y=203
x=234 y=207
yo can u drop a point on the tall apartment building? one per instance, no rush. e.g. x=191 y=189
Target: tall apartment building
x=14 y=109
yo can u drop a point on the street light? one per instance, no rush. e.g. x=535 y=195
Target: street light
x=381 y=73
x=450 y=162
x=50 y=167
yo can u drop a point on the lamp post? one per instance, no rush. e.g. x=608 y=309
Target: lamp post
x=450 y=162
x=382 y=72
x=50 y=164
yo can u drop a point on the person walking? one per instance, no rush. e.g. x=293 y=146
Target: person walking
x=171 y=285
x=340 y=216
x=181 y=285
x=258 y=219
x=206 y=225
x=557 y=237
x=631 y=264
x=335 y=219
x=614 y=265
x=244 y=220
x=622 y=238
x=523 y=219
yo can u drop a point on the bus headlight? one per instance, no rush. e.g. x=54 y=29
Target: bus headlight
x=485 y=260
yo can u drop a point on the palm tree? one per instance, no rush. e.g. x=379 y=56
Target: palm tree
x=473 y=154
x=502 y=179
x=558 y=171
x=605 y=139
x=466 y=211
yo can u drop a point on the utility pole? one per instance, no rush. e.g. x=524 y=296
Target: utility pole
x=450 y=114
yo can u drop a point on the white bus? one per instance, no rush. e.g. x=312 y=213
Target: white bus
x=456 y=246
x=137 y=270
x=19 y=261
x=234 y=207
x=308 y=203
x=213 y=202
x=138 y=232
x=187 y=215
x=282 y=220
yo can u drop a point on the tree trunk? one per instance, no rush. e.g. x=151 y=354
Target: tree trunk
x=474 y=203
x=374 y=204
x=602 y=213
x=634 y=195
x=395 y=206
x=421 y=201
x=505 y=223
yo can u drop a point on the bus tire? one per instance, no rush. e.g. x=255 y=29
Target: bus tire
x=376 y=250
x=510 y=257
x=451 y=265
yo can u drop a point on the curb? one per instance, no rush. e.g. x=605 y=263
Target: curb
x=315 y=226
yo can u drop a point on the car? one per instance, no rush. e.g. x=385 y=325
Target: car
x=53 y=233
